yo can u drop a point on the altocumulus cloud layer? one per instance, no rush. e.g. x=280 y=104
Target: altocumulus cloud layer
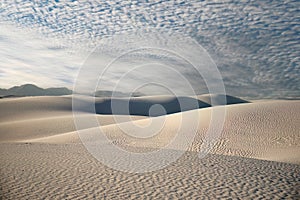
x=254 y=43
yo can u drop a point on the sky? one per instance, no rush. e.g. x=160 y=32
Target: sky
x=254 y=44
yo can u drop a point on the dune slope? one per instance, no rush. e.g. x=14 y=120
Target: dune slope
x=266 y=130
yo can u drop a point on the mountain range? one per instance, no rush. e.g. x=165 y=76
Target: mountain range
x=33 y=90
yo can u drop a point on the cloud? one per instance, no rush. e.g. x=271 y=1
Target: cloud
x=25 y=57
x=254 y=43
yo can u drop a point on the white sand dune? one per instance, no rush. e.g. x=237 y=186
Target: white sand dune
x=36 y=117
x=35 y=128
x=142 y=105
x=268 y=130
x=15 y=109
x=42 y=156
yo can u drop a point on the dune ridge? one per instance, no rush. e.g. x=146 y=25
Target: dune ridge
x=43 y=106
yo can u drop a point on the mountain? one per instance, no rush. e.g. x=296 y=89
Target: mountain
x=33 y=90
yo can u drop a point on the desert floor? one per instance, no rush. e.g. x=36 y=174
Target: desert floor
x=257 y=155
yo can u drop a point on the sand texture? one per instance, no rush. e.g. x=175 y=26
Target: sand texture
x=257 y=155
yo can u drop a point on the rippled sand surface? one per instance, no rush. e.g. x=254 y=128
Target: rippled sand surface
x=256 y=156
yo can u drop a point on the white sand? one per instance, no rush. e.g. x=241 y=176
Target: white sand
x=42 y=157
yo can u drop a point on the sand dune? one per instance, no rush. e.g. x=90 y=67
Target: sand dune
x=19 y=109
x=219 y=99
x=44 y=106
x=42 y=156
x=142 y=106
x=35 y=117
x=268 y=130
x=265 y=130
x=171 y=104
x=35 y=127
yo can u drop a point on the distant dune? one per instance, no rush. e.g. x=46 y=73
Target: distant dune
x=41 y=153
x=142 y=105
x=219 y=99
x=122 y=106
x=107 y=93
